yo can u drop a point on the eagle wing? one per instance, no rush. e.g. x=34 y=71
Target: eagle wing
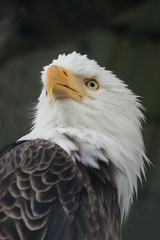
x=45 y=195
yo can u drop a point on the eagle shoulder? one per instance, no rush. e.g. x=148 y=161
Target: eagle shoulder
x=45 y=195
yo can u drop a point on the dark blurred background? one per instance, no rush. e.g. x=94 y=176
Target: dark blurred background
x=123 y=36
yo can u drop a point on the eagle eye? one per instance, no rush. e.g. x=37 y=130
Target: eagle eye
x=92 y=83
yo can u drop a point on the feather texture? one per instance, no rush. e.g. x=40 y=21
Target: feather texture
x=45 y=195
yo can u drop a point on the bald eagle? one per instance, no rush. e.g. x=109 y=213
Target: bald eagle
x=74 y=175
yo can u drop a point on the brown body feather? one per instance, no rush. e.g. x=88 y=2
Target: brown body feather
x=45 y=195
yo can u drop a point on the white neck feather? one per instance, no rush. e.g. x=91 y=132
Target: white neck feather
x=83 y=134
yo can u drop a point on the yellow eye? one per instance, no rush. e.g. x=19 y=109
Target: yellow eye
x=92 y=83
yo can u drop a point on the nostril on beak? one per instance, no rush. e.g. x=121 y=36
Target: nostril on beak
x=65 y=73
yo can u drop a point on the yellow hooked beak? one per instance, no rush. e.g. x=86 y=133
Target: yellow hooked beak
x=61 y=83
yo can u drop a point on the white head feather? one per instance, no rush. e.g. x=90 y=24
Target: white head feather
x=111 y=121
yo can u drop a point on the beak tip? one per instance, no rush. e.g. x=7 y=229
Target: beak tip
x=49 y=93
